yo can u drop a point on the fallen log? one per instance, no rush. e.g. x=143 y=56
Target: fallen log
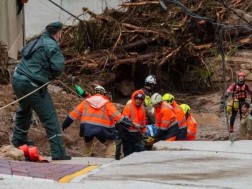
x=169 y=55
x=138 y=43
x=139 y=58
x=202 y=47
x=73 y=60
x=139 y=4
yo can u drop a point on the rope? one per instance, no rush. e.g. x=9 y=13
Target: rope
x=24 y=96
x=82 y=97
x=69 y=88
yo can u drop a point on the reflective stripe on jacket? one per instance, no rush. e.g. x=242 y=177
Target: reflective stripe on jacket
x=165 y=116
x=97 y=110
x=180 y=115
x=136 y=114
x=191 y=128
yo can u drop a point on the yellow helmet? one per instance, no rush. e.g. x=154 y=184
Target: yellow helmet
x=168 y=97
x=186 y=108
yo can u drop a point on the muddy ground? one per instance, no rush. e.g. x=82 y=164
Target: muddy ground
x=205 y=108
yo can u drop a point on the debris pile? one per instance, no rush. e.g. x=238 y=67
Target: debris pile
x=142 y=38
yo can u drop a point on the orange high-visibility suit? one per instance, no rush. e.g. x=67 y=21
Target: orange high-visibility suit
x=191 y=127
x=136 y=114
x=166 y=122
x=132 y=136
x=98 y=117
x=180 y=115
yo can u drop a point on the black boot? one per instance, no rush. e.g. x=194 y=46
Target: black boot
x=65 y=157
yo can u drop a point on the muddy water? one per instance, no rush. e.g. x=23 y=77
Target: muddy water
x=38 y=13
x=212 y=126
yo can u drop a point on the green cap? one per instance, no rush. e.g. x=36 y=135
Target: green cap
x=55 y=25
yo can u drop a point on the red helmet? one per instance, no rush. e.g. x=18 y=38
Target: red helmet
x=241 y=74
x=34 y=155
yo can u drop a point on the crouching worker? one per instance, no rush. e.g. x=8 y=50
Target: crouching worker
x=165 y=118
x=190 y=121
x=132 y=136
x=98 y=118
x=180 y=116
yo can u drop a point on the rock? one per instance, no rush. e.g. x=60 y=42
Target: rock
x=243 y=66
x=126 y=87
x=249 y=77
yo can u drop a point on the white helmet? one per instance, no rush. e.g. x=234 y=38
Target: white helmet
x=99 y=89
x=156 y=98
x=151 y=79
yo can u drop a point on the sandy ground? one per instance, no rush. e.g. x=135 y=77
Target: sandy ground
x=205 y=108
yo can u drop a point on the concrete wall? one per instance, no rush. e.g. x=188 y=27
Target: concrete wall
x=11 y=30
x=38 y=13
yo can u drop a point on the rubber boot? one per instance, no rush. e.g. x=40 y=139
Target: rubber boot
x=88 y=149
x=110 y=149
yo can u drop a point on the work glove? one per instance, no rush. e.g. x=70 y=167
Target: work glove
x=66 y=123
x=126 y=122
x=137 y=126
x=80 y=91
x=150 y=140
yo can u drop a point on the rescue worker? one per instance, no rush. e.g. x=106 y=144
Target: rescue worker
x=166 y=122
x=42 y=61
x=239 y=91
x=98 y=118
x=132 y=136
x=246 y=123
x=180 y=115
x=148 y=88
x=190 y=121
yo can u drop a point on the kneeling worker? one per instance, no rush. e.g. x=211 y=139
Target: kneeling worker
x=166 y=122
x=132 y=136
x=98 y=118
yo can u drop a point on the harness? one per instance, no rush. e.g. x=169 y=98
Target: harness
x=239 y=92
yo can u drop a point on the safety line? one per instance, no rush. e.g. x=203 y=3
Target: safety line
x=68 y=178
x=25 y=96
x=69 y=88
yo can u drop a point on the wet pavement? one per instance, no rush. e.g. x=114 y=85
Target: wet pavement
x=39 y=170
x=196 y=164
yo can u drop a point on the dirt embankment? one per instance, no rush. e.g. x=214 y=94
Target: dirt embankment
x=205 y=109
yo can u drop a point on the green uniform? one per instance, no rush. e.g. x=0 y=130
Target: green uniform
x=42 y=62
x=245 y=126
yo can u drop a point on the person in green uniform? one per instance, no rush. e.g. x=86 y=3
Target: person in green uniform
x=42 y=62
x=246 y=123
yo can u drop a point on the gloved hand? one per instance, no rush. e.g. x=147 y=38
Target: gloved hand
x=66 y=123
x=137 y=126
x=126 y=122
x=150 y=140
